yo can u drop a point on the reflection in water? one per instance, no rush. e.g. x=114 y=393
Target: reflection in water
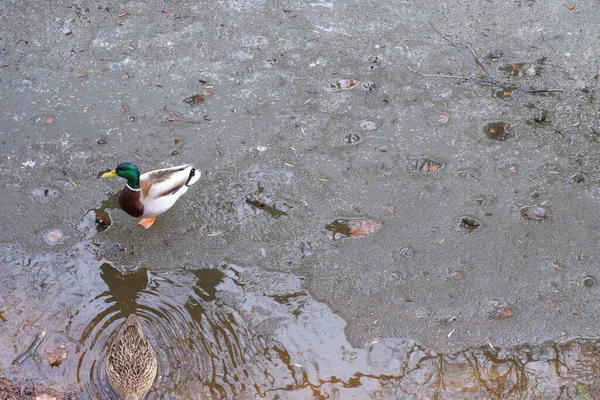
x=243 y=333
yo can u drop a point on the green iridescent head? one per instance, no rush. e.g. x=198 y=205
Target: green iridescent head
x=128 y=171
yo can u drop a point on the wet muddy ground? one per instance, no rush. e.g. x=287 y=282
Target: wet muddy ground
x=397 y=200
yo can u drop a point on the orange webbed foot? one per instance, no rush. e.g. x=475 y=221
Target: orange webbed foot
x=147 y=222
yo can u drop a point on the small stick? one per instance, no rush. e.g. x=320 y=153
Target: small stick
x=454 y=43
x=536 y=183
x=533 y=91
x=435 y=75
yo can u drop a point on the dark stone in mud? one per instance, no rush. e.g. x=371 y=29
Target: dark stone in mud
x=469 y=224
x=499 y=131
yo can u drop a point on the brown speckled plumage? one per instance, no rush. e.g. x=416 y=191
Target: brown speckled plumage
x=131 y=364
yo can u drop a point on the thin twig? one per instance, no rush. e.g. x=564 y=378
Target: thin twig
x=492 y=81
x=455 y=42
x=541 y=90
x=435 y=75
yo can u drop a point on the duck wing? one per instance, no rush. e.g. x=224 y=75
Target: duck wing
x=165 y=182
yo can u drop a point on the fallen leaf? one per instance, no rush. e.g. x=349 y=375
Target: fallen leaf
x=173 y=117
x=355 y=228
x=346 y=84
x=458 y=275
x=422 y=164
x=363 y=227
x=558 y=267
x=444 y=118
x=505 y=312
x=535 y=213
x=195 y=99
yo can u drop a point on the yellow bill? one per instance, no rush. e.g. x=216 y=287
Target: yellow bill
x=110 y=174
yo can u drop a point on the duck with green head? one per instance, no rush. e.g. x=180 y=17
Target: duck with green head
x=152 y=193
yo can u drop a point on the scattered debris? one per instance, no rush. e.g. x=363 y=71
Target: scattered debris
x=499 y=131
x=195 y=99
x=502 y=311
x=535 y=213
x=458 y=275
x=443 y=118
x=423 y=164
x=355 y=228
x=540 y=117
x=557 y=266
x=407 y=252
x=262 y=205
x=516 y=69
x=55 y=356
x=102 y=221
x=53 y=237
x=345 y=84
x=32 y=350
x=173 y=117
x=504 y=93
x=351 y=138
x=469 y=224
x=520 y=70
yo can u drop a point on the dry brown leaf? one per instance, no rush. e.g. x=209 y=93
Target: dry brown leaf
x=346 y=84
x=444 y=117
x=363 y=227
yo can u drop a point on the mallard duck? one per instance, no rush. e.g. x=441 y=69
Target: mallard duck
x=131 y=364
x=154 y=192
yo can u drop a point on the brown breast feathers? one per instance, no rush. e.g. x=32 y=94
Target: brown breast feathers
x=129 y=200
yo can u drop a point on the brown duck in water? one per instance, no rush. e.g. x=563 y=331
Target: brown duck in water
x=131 y=364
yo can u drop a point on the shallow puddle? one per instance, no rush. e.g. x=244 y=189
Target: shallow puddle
x=240 y=332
